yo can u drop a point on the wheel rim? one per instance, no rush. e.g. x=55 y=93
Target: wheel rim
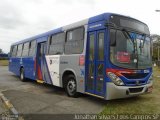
x=71 y=86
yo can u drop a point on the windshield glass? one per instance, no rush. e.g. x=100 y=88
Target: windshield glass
x=143 y=51
x=129 y=50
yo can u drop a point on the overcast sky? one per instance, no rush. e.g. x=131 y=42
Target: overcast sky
x=21 y=19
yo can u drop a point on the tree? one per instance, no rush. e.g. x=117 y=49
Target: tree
x=155 y=47
x=1 y=51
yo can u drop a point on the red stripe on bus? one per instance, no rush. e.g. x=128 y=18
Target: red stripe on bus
x=119 y=72
x=39 y=73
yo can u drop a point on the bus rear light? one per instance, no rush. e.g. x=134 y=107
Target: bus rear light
x=81 y=60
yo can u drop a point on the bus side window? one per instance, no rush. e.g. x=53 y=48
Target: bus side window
x=32 y=47
x=48 y=44
x=14 y=52
x=40 y=51
x=25 y=49
x=11 y=51
x=19 y=51
x=75 y=41
x=56 y=44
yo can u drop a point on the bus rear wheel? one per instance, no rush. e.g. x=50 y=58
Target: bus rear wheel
x=22 y=77
x=71 y=86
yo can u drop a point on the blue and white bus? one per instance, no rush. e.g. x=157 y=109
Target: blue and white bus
x=107 y=56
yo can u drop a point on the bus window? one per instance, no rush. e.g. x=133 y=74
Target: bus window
x=14 y=51
x=101 y=46
x=32 y=47
x=90 y=80
x=10 y=53
x=57 y=44
x=25 y=49
x=19 y=51
x=91 y=49
x=75 y=39
x=100 y=79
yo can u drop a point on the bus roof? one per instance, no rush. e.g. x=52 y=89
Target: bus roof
x=101 y=17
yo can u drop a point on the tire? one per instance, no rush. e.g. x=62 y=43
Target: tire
x=71 y=86
x=22 y=77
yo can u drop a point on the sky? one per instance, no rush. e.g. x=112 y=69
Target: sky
x=20 y=19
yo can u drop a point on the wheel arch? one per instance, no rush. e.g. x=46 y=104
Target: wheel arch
x=65 y=74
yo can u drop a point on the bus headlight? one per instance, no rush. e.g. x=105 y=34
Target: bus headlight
x=116 y=80
x=150 y=78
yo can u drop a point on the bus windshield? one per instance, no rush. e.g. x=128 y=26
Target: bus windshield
x=129 y=50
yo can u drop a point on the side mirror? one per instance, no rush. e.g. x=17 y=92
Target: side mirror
x=113 y=37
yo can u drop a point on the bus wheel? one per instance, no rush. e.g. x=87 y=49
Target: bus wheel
x=71 y=86
x=22 y=77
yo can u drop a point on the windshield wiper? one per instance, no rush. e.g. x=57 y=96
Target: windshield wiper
x=127 y=35
x=142 y=42
x=144 y=39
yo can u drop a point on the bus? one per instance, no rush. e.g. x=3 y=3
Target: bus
x=3 y=56
x=107 y=56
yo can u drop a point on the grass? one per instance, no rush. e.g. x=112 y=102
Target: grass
x=144 y=104
x=3 y=62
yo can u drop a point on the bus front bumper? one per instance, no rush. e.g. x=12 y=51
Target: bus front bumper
x=114 y=92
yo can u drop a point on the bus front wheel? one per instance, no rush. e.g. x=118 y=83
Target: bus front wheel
x=71 y=86
x=22 y=77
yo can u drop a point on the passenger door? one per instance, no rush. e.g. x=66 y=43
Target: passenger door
x=95 y=71
x=41 y=47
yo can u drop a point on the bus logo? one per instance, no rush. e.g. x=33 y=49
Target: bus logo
x=137 y=82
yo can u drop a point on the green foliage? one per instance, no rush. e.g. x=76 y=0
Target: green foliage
x=3 y=58
x=4 y=62
x=156 y=46
x=1 y=51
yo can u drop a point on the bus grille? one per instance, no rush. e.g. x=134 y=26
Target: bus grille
x=135 y=90
x=134 y=83
x=135 y=75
